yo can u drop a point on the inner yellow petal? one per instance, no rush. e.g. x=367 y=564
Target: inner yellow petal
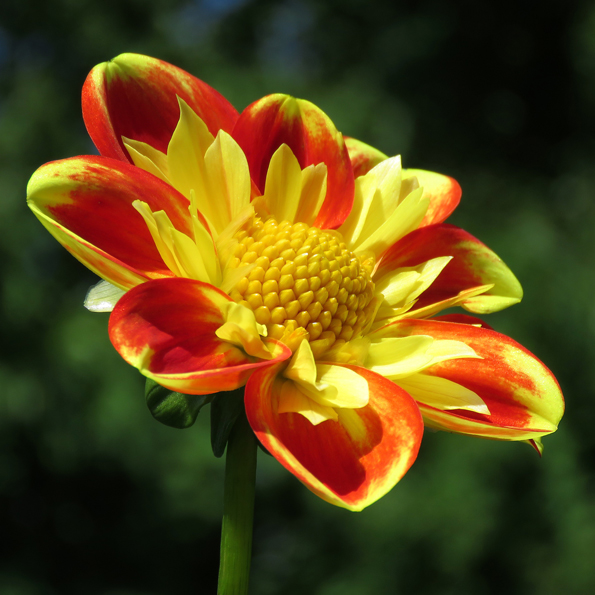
x=397 y=357
x=241 y=329
x=186 y=150
x=147 y=158
x=326 y=385
x=292 y=194
x=403 y=285
x=193 y=259
x=293 y=400
x=227 y=185
x=442 y=393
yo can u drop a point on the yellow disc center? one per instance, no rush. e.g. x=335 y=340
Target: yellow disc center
x=303 y=277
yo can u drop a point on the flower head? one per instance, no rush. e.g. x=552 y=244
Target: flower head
x=265 y=250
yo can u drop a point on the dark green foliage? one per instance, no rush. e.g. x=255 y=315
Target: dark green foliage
x=173 y=409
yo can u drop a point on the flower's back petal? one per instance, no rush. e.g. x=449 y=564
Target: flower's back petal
x=276 y=119
x=473 y=264
x=351 y=462
x=166 y=329
x=135 y=96
x=523 y=396
x=363 y=157
x=444 y=193
x=86 y=203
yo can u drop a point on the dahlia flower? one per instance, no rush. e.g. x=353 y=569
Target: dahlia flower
x=264 y=250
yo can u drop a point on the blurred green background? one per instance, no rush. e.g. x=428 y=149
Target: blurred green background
x=98 y=498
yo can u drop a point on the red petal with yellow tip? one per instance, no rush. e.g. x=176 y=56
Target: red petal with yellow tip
x=444 y=192
x=363 y=157
x=473 y=264
x=135 y=96
x=86 y=203
x=276 y=119
x=349 y=464
x=166 y=329
x=523 y=396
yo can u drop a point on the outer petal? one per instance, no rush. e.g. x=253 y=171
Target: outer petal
x=166 y=329
x=276 y=119
x=135 y=96
x=86 y=204
x=351 y=462
x=474 y=264
x=522 y=395
x=363 y=157
x=444 y=193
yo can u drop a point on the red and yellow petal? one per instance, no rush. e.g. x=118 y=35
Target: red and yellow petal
x=351 y=463
x=136 y=96
x=276 y=119
x=363 y=157
x=86 y=203
x=444 y=193
x=473 y=264
x=166 y=328
x=523 y=396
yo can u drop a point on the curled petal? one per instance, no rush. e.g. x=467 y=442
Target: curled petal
x=135 y=96
x=167 y=329
x=443 y=191
x=522 y=395
x=473 y=265
x=86 y=203
x=277 y=119
x=350 y=462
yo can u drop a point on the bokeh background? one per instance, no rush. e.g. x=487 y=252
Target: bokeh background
x=98 y=498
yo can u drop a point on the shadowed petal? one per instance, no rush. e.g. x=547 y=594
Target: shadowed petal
x=276 y=119
x=350 y=462
x=136 y=96
x=167 y=329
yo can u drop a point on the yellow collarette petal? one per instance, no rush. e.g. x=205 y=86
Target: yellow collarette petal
x=290 y=193
x=148 y=158
x=404 y=219
x=283 y=184
x=163 y=244
x=184 y=257
x=397 y=357
x=325 y=385
x=403 y=285
x=384 y=209
x=241 y=329
x=442 y=393
x=293 y=400
x=228 y=183
x=186 y=151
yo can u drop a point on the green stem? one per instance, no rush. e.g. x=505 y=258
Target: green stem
x=238 y=510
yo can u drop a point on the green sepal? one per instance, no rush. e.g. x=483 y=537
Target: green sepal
x=173 y=409
x=226 y=407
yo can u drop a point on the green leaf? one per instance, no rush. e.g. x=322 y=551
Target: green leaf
x=173 y=409
x=226 y=407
